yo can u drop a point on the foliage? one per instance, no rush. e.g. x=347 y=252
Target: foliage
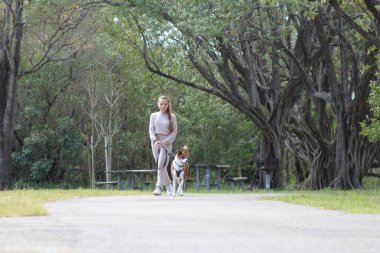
x=51 y=147
x=371 y=127
x=54 y=31
x=53 y=126
x=182 y=39
x=214 y=131
x=300 y=85
x=51 y=155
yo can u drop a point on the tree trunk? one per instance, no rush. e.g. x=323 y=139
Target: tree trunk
x=10 y=45
x=110 y=153
x=5 y=169
x=299 y=170
x=6 y=135
x=89 y=160
x=353 y=154
x=360 y=152
x=270 y=150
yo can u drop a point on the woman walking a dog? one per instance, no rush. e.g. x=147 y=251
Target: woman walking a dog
x=162 y=132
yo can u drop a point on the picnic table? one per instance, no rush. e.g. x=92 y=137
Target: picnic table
x=207 y=168
x=130 y=177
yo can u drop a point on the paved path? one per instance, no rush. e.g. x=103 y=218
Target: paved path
x=193 y=223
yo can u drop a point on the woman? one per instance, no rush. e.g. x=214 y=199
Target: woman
x=162 y=132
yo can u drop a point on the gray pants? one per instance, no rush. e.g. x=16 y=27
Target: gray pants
x=161 y=157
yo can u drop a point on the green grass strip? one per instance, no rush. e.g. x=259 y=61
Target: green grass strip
x=358 y=202
x=31 y=202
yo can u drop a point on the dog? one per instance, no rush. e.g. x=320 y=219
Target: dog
x=180 y=170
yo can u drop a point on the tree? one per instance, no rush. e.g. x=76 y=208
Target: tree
x=52 y=38
x=236 y=48
x=292 y=67
x=221 y=76
x=52 y=132
x=108 y=120
x=89 y=84
x=48 y=145
x=349 y=93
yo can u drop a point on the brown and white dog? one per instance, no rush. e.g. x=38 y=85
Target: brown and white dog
x=180 y=170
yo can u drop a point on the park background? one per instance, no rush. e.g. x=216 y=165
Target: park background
x=248 y=80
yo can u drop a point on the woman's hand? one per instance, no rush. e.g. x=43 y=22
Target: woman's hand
x=157 y=144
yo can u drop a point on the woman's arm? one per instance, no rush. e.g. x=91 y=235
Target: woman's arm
x=152 y=134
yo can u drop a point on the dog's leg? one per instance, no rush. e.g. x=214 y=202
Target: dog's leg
x=180 y=187
x=178 y=182
x=174 y=175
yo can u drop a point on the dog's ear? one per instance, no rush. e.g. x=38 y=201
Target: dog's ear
x=179 y=152
x=185 y=148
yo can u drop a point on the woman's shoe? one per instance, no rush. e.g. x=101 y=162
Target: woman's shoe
x=169 y=189
x=157 y=191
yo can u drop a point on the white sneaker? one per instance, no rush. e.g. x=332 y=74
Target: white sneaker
x=169 y=189
x=157 y=191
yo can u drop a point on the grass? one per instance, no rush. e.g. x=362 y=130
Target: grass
x=31 y=202
x=354 y=201
x=360 y=202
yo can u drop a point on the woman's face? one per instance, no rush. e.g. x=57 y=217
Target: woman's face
x=163 y=104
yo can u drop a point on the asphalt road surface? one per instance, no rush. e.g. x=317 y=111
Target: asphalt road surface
x=192 y=223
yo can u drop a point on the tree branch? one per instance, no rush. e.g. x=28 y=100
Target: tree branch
x=119 y=4
x=368 y=36
x=59 y=36
x=371 y=7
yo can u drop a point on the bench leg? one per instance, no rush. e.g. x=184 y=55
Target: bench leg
x=119 y=184
x=127 y=182
x=197 y=178
x=232 y=186
x=218 y=179
x=141 y=182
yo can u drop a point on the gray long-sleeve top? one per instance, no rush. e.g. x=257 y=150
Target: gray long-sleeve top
x=159 y=124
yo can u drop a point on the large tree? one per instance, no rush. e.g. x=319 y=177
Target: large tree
x=32 y=34
x=350 y=70
x=238 y=50
x=292 y=67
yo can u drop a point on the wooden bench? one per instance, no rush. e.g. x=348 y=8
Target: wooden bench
x=148 y=184
x=235 y=180
x=112 y=183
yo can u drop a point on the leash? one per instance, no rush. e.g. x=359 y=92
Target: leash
x=170 y=155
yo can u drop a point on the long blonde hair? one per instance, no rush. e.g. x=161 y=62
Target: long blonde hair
x=168 y=111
